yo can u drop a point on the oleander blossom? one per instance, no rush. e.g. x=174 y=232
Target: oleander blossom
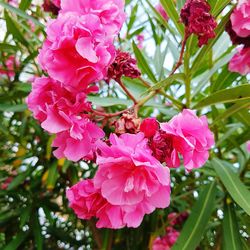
x=235 y=38
x=167 y=241
x=240 y=19
x=240 y=62
x=77 y=51
x=9 y=67
x=197 y=19
x=149 y=127
x=123 y=65
x=79 y=142
x=190 y=137
x=87 y=202
x=110 y=12
x=54 y=106
x=162 y=11
x=130 y=177
x=248 y=146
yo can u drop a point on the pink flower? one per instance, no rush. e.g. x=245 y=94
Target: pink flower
x=9 y=67
x=110 y=12
x=54 y=106
x=162 y=11
x=149 y=127
x=79 y=142
x=241 y=61
x=140 y=38
x=167 y=241
x=87 y=202
x=76 y=51
x=240 y=18
x=189 y=136
x=196 y=17
x=84 y=199
x=248 y=146
x=130 y=177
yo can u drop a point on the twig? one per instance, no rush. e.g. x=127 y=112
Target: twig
x=127 y=91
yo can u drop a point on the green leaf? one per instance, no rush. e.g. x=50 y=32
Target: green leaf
x=13 y=107
x=37 y=233
x=19 y=179
x=219 y=6
x=195 y=226
x=109 y=101
x=52 y=176
x=13 y=28
x=231 y=235
x=25 y=216
x=232 y=110
x=24 y=5
x=171 y=10
x=167 y=82
x=7 y=47
x=132 y=17
x=233 y=184
x=142 y=63
x=21 y=13
x=17 y=241
x=235 y=94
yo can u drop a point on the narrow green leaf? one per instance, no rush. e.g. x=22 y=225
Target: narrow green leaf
x=17 y=241
x=25 y=216
x=142 y=63
x=235 y=94
x=195 y=226
x=21 y=13
x=167 y=82
x=13 y=107
x=233 y=184
x=232 y=110
x=52 y=176
x=24 y=5
x=171 y=10
x=37 y=233
x=7 y=47
x=109 y=101
x=12 y=27
x=19 y=179
x=231 y=235
x=132 y=17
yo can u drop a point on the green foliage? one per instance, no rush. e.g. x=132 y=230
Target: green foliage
x=34 y=212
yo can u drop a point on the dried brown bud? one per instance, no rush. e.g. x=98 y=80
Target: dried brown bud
x=128 y=123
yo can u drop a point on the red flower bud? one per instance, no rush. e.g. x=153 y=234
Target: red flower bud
x=149 y=127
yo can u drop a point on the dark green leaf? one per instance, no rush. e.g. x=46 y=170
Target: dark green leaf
x=143 y=63
x=195 y=226
x=233 y=184
x=231 y=235
x=235 y=94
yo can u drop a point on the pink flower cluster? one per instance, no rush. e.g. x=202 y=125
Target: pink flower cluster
x=162 y=11
x=185 y=135
x=128 y=184
x=197 y=19
x=239 y=31
x=10 y=66
x=171 y=234
x=130 y=180
x=76 y=53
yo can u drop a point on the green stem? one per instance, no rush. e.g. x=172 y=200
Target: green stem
x=105 y=243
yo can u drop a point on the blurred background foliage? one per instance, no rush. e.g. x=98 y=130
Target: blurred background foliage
x=34 y=213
